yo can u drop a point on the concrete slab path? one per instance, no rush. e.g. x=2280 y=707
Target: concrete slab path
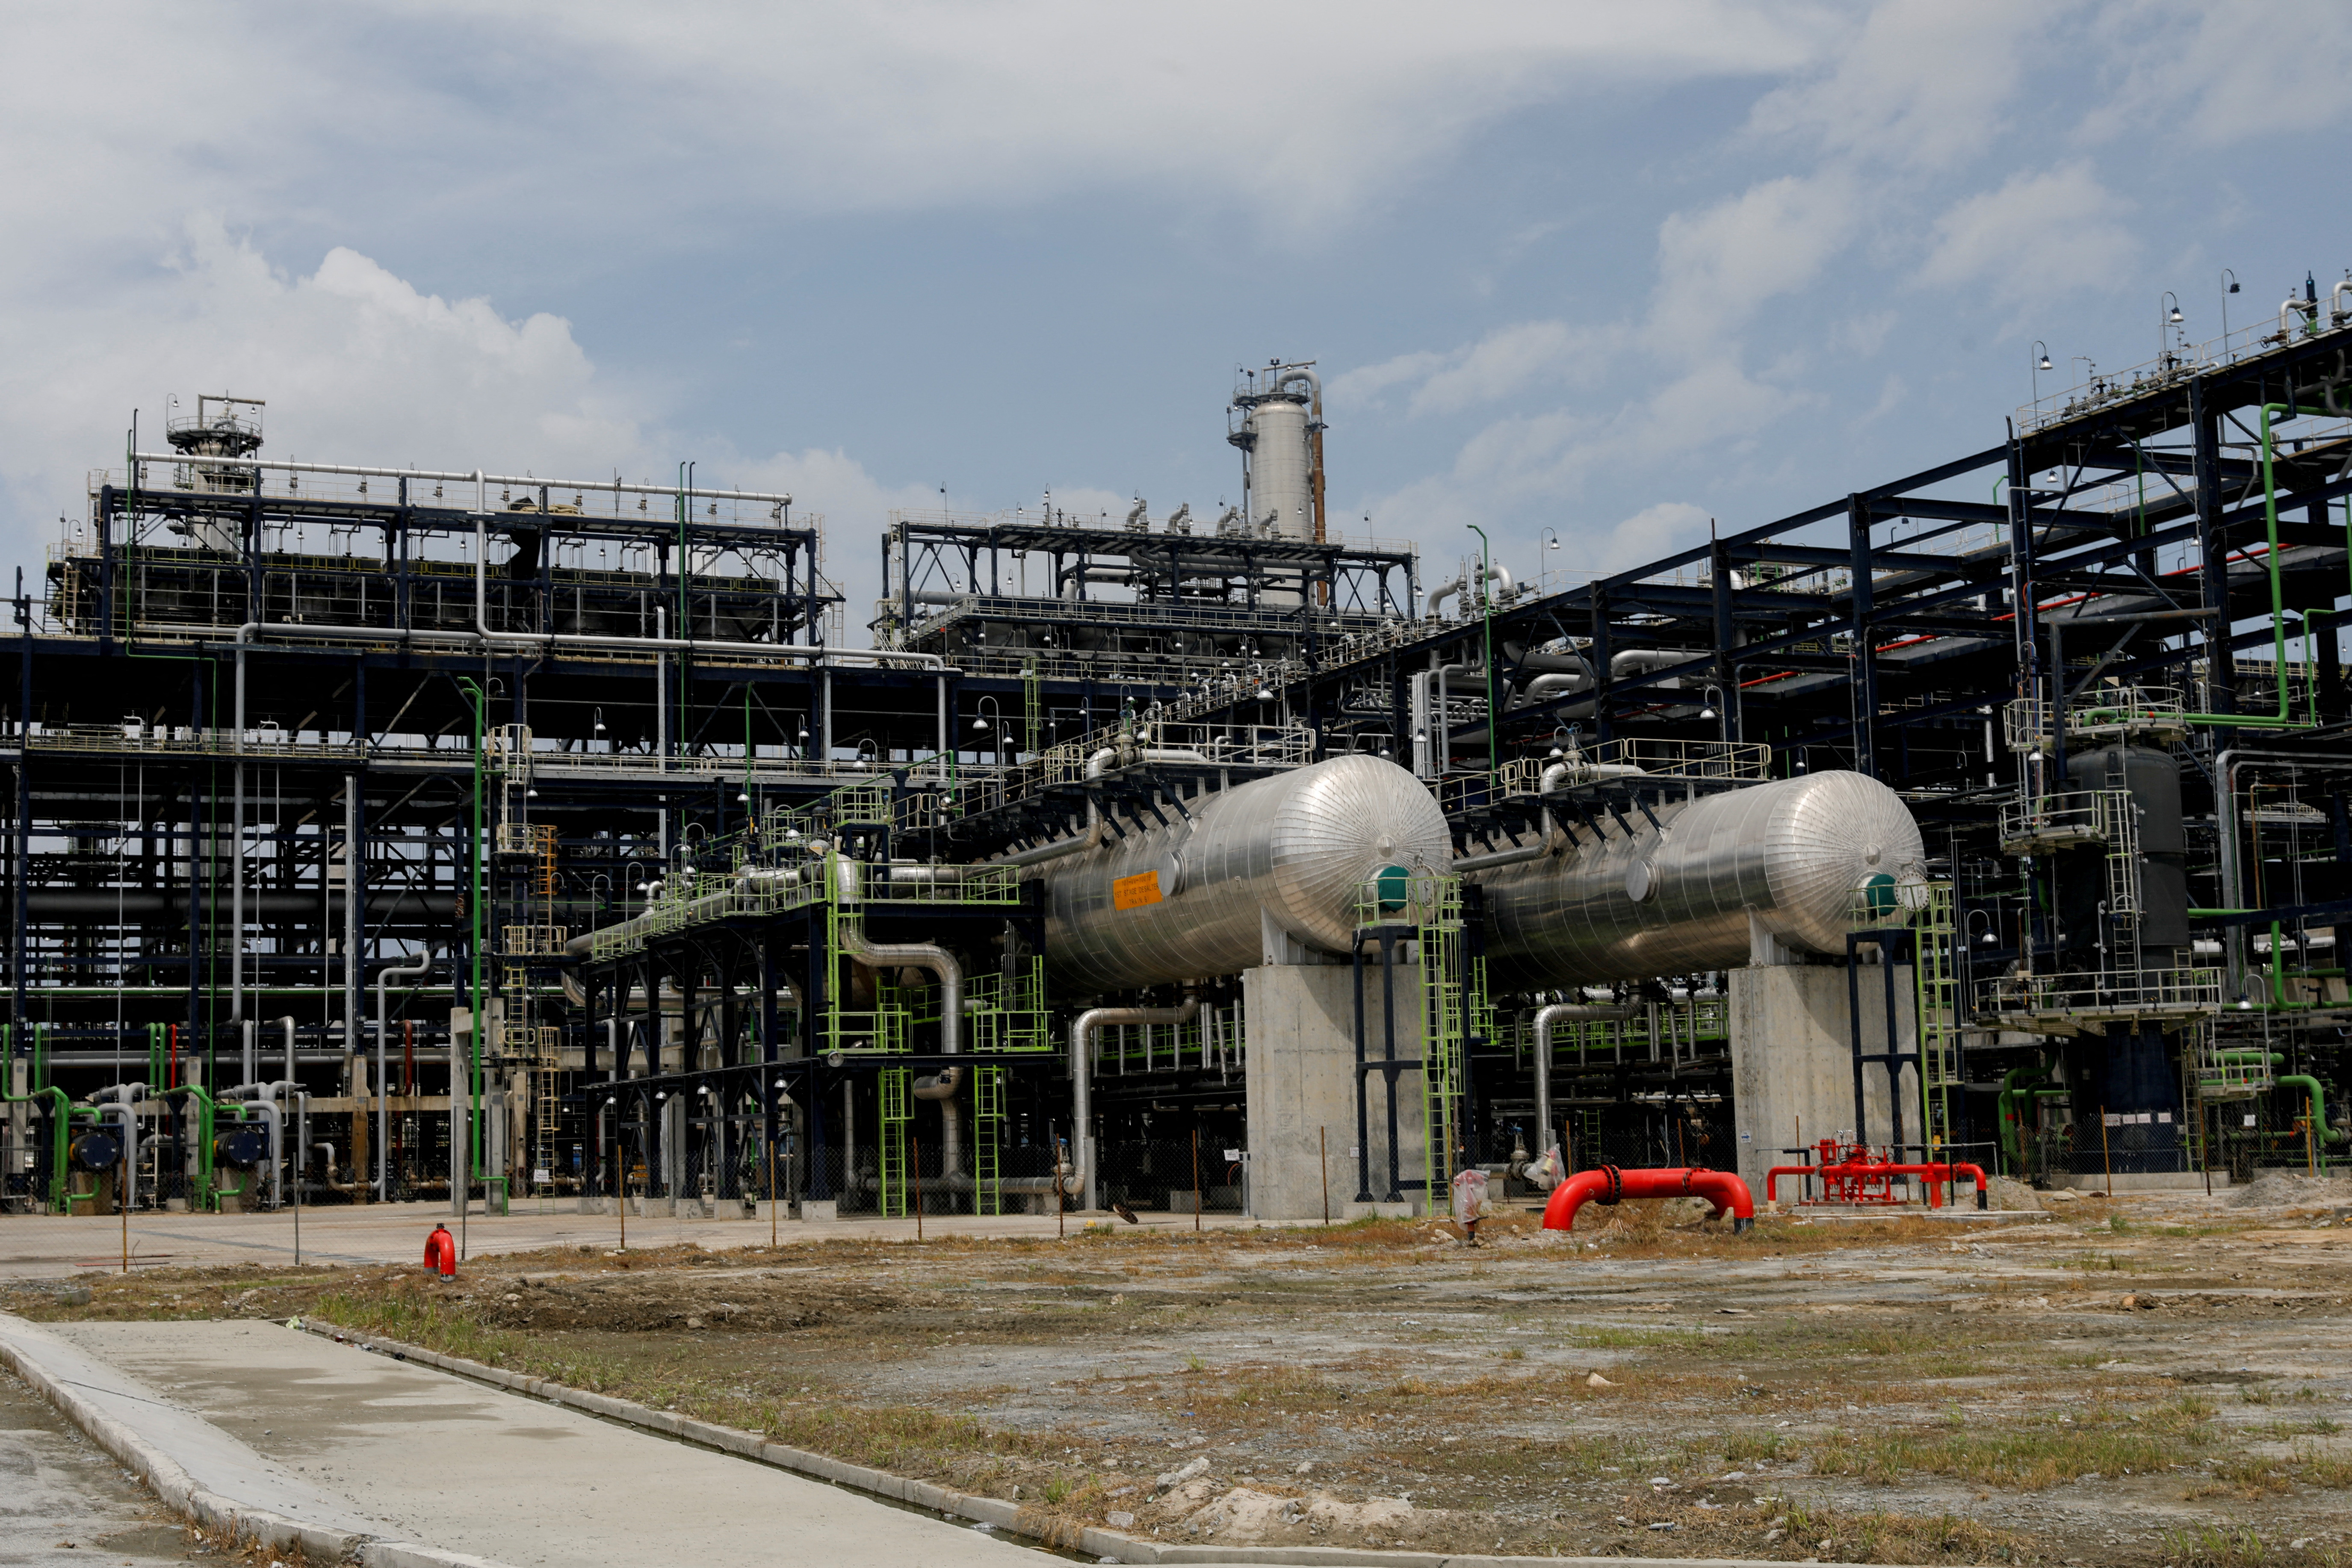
x=412 y=1454
x=64 y=1503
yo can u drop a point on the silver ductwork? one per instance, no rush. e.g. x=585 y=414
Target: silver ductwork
x=1205 y=895
x=1788 y=856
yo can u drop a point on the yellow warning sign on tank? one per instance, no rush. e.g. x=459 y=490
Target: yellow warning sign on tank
x=1134 y=892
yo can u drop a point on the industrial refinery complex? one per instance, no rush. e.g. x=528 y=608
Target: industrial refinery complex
x=384 y=834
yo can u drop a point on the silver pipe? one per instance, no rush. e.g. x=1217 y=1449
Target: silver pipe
x=1082 y=1074
x=549 y=639
x=1558 y=1012
x=1465 y=865
x=260 y=1097
x=288 y=1023
x=122 y=1099
x=820 y=656
x=423 y=966
x=475 y=477
x=236 y=865
x=354 y=968
x=942 y=962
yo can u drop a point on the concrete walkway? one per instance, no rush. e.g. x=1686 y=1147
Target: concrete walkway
x=334 y=1436
x=47 y=1247
x=64 y=1503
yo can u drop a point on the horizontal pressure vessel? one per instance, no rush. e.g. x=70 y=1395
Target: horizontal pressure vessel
x=1183 y=902
x=1676 y=898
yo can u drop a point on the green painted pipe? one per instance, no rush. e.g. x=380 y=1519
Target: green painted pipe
x=62 y=1112
x=2014 y=1086
x=2279 y=721
x=2319 y=1128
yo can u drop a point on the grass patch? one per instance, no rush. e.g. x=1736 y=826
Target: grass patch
x=2024 y=1455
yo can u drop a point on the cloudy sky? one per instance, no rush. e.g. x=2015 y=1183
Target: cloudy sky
x=1603 y=269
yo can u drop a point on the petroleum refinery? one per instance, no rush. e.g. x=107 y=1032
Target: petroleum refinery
x=394 y=834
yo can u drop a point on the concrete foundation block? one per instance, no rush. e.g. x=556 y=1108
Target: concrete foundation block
x=1378 y=1211
x=1301 y=1024
x=1792 y=1076
x=825 y=1209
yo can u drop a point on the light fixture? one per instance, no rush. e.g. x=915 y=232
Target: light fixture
x=1707 y=712
x=599 y=726
x=744 y=798
x=1988 y=938
x=531 y=794
x=980 y=726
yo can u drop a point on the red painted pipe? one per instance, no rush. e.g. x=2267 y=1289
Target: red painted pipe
x=1608 y=1184
x=441 y=1252
x=1934 y=1176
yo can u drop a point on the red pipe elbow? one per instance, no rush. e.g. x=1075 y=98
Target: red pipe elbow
x=1609 y=1184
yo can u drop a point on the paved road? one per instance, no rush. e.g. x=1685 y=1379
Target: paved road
x=46 y=1246
x=63 y=1502
x=449 y=1463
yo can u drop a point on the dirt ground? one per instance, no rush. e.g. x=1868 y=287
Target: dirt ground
x=2152 y=1380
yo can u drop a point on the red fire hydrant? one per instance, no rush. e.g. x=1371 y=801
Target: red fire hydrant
x=441 y=1252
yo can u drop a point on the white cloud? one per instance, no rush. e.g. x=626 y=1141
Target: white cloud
x=1365 y=384
x=359 y=366
x=1717 y=264
x=2222 y=75
x=1920 y=86
x=2041 y=235
x=1654 y=530
x=608 y=120
x=1505 y=363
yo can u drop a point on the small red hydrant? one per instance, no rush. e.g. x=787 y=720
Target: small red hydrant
x=441 y=1252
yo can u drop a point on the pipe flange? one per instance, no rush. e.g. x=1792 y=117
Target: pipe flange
x=1616 y=1186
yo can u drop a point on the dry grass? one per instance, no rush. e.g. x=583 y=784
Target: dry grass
x=2028 y=1454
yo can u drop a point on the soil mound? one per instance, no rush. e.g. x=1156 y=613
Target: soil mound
x=668 y=1301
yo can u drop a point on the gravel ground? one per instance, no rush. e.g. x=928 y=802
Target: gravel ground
x=2152 y=1380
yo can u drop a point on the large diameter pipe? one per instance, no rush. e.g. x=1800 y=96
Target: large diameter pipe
x=1560 y=1013
x=384 y=977
x=1082 y=1074
x=1787 y=855
x=1609 y=1186
x=122 y=1100
x=2311 y=1090
x=942 y=962
x=1288 y=854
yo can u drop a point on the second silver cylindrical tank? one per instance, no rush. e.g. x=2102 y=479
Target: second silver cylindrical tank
x=1677 y=898
x=1184 y=902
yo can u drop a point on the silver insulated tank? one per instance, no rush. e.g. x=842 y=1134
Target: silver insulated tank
x=1182 y=903
x=1676 y=898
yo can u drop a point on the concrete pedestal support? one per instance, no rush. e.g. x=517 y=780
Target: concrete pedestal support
x=1301 y=1028
x=1792 y=1062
